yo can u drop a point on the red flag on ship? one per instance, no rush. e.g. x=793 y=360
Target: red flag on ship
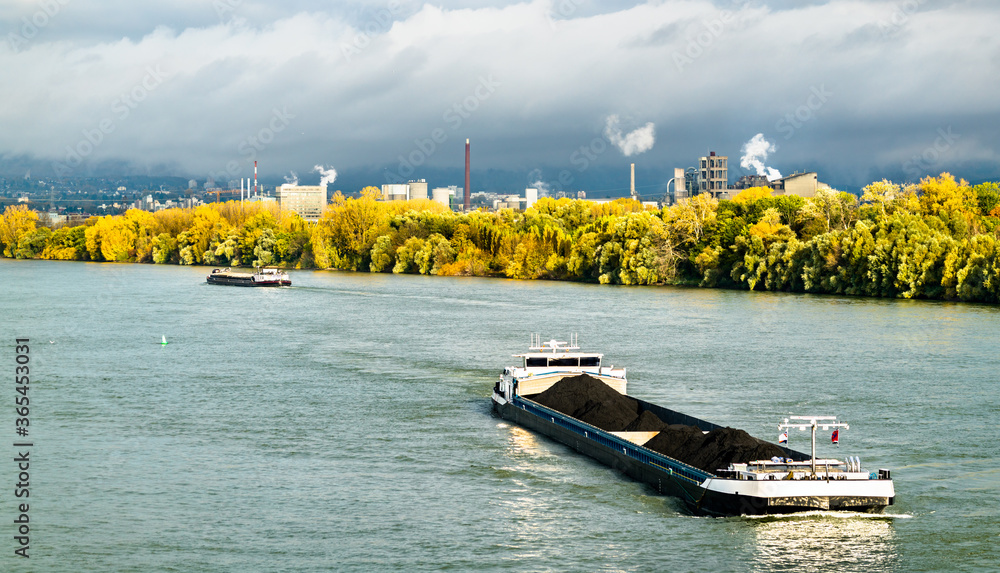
x=835 y=438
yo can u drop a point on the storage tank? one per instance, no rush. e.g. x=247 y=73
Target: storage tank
x=441 y=195
x=418 y=189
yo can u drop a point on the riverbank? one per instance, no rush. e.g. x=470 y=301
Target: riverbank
x=937 y=240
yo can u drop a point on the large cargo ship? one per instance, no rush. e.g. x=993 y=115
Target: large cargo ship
x=786 y=483
x=263 y=277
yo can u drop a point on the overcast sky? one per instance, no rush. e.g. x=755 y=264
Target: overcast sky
x=549 y=89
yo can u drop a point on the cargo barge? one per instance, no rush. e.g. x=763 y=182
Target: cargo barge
x=788 y=483
x=263 y=277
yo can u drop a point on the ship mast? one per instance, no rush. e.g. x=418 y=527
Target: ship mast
x=813 y=422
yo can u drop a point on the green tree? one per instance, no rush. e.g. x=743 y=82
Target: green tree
x=382 y=255
x=33 y=243
x=263 y=251
x=406 y=256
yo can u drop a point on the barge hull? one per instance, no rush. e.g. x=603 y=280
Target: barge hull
x=663 y=481
x=245 y=281
x=668 y=476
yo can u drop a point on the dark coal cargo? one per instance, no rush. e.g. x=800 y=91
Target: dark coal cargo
x=594 y=402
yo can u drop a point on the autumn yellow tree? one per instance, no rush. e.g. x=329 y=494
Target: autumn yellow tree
x=752 y=194
x=16 y=221
x=687 y=220
x=346 y=232
x=943 y=194
x=111 y=238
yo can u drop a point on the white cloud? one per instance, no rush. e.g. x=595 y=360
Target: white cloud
x=634 y=142
x=228 y=85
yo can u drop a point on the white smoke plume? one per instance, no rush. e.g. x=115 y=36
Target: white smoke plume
x=755 y=153
x=543 y=189
x=327 y=176
x=632 y=143
x=292 y=179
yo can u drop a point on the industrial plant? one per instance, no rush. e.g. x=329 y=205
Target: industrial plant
x=710 y=175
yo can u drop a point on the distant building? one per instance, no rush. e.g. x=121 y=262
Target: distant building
x=530 y=197
x=508 y=202
x=307 y=201
x=714 y=171
x=581 y=194
x=691 y=184
x=801 y=184
x=51 y=218
x=748 y=181
x=418 y=189
x=395 y=191
x=680 y=192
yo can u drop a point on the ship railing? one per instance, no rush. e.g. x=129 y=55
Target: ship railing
x=601 y=371
x=645 y=455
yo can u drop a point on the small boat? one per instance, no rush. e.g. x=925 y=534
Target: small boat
x=790 y=482
x=263 y=277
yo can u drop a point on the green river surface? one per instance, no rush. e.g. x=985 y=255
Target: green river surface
x=344 y=424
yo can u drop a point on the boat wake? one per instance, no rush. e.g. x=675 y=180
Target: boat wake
x=820 y=514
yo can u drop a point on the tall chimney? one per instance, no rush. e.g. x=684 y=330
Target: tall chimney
x=254 y=176
x=633 y=183
x=468 y=192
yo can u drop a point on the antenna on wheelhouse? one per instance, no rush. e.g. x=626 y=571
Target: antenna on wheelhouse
x=574 y=341
x=812 y=422
x=536 y=341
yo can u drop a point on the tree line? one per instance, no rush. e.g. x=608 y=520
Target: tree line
x=937 y=239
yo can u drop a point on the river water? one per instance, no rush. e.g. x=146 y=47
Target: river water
x=343 y=424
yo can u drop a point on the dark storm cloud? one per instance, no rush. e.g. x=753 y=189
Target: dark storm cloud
x=847 y=87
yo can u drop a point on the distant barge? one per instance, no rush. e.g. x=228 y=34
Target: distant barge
x=263 y=277
x=791 y=483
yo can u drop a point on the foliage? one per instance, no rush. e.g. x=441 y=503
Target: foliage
x=937 y=239
x=16 y=221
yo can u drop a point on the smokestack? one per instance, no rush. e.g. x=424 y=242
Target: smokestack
x=254 y=176
x=468 y=192
x=633 y=183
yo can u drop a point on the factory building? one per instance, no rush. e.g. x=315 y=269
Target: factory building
x=714 y=171
x=395 y=191
x=307 y=201
x=416 y=189
x=748 y=181
x=801 y=184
